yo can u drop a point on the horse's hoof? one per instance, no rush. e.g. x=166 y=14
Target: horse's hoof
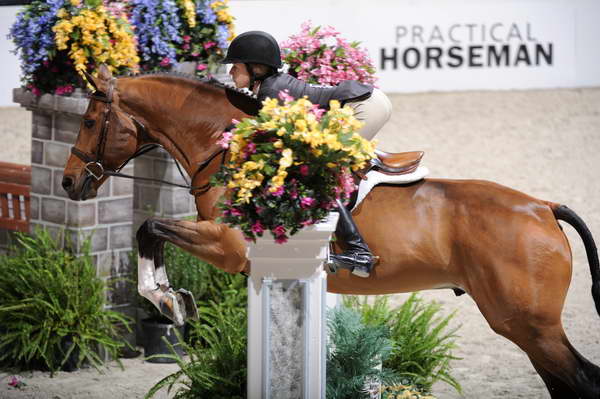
x=187 y=301
x=171 y=307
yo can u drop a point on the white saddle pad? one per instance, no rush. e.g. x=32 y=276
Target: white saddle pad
x=374 y=177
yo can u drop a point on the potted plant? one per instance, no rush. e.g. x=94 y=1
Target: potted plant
x=288 y=166
x=57 y=40
x=321 y=56
x=52 y=308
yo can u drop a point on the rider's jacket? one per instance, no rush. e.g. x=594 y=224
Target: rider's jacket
x=346 y=91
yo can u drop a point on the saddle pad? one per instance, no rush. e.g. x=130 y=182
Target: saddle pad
x=374 y=177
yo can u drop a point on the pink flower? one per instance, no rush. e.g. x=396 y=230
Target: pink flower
x=15 y=382
x=201 y=67
x=284 y=95
x=208 y=45
x=281 y=239
x=279 y=230
x=279 y=192
x=307 y=202
x=317 y=111
x=257 y=227
x=225 y=139
x=165 y=62
x=304 y=170
x=187 y=38
x=307 y=222
x=250 y=148
x=235 y=121
x=235 y=212
x=185 y=46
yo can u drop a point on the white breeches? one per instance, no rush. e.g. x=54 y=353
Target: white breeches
x=374 y=112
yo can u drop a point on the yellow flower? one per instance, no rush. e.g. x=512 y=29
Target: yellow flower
x=301 y=125
x=75 y=3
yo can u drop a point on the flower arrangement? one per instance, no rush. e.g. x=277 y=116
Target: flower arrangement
x=173 y=31
x=321 y=56
x=58 y=39
x=289 y=165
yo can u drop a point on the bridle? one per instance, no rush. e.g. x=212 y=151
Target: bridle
x=95 y=168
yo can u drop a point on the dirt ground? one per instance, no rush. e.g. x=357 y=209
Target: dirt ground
x=545 y=143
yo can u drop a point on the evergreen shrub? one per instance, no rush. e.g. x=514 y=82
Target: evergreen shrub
x=423 y=341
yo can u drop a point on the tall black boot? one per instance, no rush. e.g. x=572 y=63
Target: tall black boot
x=357 y=255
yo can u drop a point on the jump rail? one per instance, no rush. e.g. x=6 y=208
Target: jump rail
x=15 y=185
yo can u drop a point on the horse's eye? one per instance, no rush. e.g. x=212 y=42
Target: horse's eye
x=89 y=123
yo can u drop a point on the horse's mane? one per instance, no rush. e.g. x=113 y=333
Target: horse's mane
x=210 y=80
x=240 y=98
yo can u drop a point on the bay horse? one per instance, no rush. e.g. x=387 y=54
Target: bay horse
x=502 y=247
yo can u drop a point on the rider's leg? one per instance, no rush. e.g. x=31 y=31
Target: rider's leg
x=374 y=112
x=357 y=253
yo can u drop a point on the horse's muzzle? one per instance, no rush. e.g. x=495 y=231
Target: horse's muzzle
x=79 y=192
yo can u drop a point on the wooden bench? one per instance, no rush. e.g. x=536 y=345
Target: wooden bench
x=15 y=185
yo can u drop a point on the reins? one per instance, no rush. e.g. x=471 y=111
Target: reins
x=95 y=168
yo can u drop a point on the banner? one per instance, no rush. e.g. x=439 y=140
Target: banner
x=440 y=46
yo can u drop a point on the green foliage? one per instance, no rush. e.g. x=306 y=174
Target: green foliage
x=422 y=340
x=49 y=298
x=354 y=354
x=217 y=362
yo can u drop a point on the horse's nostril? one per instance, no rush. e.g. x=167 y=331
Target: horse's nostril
x=67 y=183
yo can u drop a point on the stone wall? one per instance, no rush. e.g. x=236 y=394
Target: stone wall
x=156 y=199
x=106 y=219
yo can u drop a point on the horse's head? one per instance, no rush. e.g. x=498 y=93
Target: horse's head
x=107 y=139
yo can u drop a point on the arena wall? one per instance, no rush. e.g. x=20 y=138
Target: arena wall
x=430 y=45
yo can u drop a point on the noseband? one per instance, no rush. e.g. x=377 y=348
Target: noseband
x=95 y=168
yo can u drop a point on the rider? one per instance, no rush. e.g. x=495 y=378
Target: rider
x=256 y=58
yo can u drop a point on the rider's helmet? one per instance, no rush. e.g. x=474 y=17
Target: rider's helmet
x=256 y=47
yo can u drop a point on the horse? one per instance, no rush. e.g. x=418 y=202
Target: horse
x=504 y=248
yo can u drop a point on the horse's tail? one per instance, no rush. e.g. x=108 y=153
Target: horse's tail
x=562 y=212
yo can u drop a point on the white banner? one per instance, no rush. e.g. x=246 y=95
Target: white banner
x=439 y=46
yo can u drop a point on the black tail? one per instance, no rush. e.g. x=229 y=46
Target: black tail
x=561 y=212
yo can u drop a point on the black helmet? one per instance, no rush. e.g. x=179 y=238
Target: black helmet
x=255 y=47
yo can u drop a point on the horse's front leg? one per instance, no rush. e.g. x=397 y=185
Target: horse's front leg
x=207 y=240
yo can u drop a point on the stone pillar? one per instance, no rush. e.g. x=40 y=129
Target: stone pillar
x=286 y=315
x=107 y=219
x=156 y=199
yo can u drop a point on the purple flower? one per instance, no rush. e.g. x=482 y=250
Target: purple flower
x=281 y=239
x=279 y=192
x=307 y=202
x=257 y=227
x=279 y=230
x=165 y=62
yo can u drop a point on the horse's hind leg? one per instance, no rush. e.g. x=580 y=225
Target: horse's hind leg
x=206 y=240
x=531 y=319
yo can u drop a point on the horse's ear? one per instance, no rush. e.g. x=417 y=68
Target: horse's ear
x=90 y=79
x=104 y=73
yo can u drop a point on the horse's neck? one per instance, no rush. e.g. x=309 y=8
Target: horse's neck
x=184 y=122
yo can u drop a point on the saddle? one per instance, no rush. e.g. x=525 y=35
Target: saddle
x=389 y=163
